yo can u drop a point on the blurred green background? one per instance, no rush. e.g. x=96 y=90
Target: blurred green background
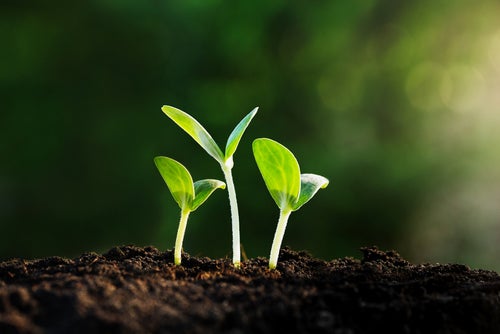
x=397 y=103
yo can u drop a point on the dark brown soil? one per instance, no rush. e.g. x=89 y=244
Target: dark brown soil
x=139 y=290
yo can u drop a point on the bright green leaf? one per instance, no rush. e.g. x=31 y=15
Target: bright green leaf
x=178 y=180
x=203 y=189
x=280 y=171
x=309 y=186
x=235 y=137
x=195 y=130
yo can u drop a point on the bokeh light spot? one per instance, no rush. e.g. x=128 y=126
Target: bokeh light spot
x=467 y=89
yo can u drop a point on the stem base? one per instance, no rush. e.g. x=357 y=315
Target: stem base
x=278 y=238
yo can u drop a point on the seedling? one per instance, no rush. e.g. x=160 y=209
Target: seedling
x=205 y=140
x=289 y=189
x=188 y=195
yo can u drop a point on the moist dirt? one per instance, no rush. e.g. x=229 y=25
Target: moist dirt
x=139 y=290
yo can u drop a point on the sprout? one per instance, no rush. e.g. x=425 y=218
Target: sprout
x=202 y=137
x=289 y=189
x=188 y=195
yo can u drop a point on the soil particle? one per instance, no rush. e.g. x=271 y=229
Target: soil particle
x=139 y=290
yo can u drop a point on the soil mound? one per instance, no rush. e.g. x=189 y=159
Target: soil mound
x=139 y=290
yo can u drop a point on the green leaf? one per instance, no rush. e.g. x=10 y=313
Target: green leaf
x=309 y=186
x=195 y=130
x=178 y=180
x=235 y=136
x=280 y=171
x=203 y=189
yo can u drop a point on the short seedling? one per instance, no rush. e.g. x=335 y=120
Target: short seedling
x=188 y=195
x=289 y=189
x=203 y=138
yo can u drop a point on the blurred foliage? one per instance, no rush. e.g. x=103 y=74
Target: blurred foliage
x=395 y=102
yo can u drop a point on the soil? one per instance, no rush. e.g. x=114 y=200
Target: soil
x=138 y=290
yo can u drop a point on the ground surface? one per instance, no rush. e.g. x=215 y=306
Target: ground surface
x=139 y=290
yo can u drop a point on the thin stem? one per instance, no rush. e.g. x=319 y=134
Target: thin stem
x=278 y=237
x=180 y=236
x=235 y=220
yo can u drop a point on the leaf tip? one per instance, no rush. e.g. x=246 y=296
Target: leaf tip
x=256 y=141
x=327 y=182
x=158 y=159
x=169 y=110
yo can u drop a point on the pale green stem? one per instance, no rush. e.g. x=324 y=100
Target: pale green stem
x=278 y=237
x=235 y=220
x=180 y=236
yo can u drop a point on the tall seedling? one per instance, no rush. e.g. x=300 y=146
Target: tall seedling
x=205 y=140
